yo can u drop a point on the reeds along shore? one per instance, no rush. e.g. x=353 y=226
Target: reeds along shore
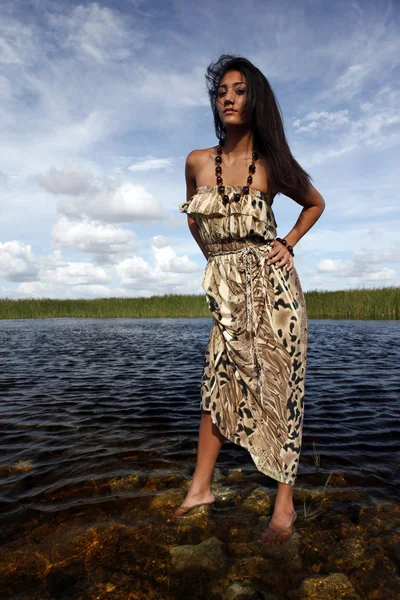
x=372 y=303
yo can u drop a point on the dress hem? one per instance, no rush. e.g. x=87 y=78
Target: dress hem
x=265 y=470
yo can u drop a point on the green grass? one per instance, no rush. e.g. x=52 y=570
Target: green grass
x=372 y=303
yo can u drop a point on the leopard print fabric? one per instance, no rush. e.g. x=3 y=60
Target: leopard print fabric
x=255 y=360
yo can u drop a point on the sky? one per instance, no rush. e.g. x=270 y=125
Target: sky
x=101 y=102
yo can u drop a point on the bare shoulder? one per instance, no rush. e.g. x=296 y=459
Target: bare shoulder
x=196 y=159
x=195 y=162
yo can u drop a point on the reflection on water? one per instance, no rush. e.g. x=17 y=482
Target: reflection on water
x=99 y=422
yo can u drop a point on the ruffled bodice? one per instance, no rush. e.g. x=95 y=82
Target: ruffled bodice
x=251 y=216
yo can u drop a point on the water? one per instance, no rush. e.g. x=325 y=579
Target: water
x=97 y=412
x=79 y=395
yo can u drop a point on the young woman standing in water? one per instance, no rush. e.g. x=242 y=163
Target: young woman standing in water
x=253 y=380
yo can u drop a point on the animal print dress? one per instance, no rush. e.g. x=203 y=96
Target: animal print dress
x=255 y=361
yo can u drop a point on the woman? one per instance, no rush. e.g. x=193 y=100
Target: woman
x=253 y=381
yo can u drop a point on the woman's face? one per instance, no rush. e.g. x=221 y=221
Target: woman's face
x=231 y=98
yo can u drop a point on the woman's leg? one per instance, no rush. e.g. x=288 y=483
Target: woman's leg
x=283 y=503
x=209 y=445
x=280 y=526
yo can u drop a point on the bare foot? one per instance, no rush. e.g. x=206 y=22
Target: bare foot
x=190 y=501
x=279 y=529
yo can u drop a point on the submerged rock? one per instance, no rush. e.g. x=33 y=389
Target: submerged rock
x=259 y=501
x=240 y=591
x=331 y=587
x=207 y=556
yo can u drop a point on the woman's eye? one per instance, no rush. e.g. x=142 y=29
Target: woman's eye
x=237 y=91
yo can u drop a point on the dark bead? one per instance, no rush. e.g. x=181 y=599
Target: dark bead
x=225 y=198
x=219 y=149
x=255 y=156
x=252 y=168
x=219 y=180
x=245 y=189
x=236 y=197
x=249 y=180
x=218 y=159
x=254 y=203
x=218 y=170
x=260 y=203
x=221 y=189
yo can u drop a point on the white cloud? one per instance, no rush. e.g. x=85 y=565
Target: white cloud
x=350 y=82
x=42 y=289
x=168 y=274
x=160 y=241
x=74 y=273
x=53 y=276
x=71 y=181
x=16 y=42
x=375 y=123
x=363 y=267
x=152 y=164
x=93 y=237
x=99 y=32
x=126 y=203
x=17 y=262
x=100 y=198
x=326 y=121
x=166 y=259
x=327 y=265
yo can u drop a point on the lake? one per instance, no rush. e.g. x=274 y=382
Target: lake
x=99 y=421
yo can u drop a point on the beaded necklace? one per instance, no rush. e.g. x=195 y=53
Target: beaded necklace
x=221 y=188
x=245 y=189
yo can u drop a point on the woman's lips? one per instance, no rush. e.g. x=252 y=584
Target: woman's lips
x=230 y=110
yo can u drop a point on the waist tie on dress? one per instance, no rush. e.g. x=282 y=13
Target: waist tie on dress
x=247 y=255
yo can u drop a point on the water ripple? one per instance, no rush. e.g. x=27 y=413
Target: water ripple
x=85 y=400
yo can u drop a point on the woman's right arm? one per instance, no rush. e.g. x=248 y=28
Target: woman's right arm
x=191 y=186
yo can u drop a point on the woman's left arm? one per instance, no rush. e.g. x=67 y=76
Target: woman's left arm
x=313 y=206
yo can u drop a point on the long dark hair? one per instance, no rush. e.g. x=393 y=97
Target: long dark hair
x=264 y=113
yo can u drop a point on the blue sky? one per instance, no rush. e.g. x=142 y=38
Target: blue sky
x=102 y=101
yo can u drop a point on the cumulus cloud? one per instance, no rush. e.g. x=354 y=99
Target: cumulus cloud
x=160 y=241
x=72 y=181
x=74 y=273
x=42 y=289
x=144 y=279
x=93 y=237
x=106 y=199
x=53 y=276
x=128 y=202
x=166 y=259
x=364 y=267
x=17 y=262
x=169 y=272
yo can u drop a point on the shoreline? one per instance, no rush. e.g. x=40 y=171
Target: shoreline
x=364 y=303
